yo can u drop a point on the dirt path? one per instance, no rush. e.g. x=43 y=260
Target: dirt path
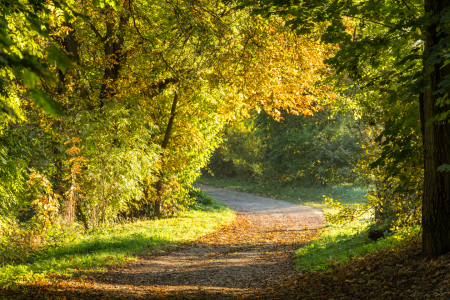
x=242 y=260
x=266 y=211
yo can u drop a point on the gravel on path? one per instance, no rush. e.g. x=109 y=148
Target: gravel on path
x=267 y=209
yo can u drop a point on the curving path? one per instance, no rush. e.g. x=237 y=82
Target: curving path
x=242 y=260
x=264 y=210
x=246 y=259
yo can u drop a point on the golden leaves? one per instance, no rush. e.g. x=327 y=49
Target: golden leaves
x=46 y=201
x=287 y=72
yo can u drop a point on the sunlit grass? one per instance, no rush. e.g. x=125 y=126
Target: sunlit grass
x=116 y=245
x=338 y=244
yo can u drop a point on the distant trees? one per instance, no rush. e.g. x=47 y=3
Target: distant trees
x=307 y=150
x=319 y=149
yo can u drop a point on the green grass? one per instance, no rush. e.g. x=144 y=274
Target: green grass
x=338 y=244
x=116 y=245
x=312 y=196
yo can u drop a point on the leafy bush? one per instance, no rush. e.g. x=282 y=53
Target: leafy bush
x=21 y=243
x=203 y=202
x=200 y=197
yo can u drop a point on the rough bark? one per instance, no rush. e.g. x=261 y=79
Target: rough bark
x=436 y=142
x=165 y=143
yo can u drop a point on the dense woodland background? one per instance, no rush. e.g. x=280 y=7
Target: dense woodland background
x=112 y=109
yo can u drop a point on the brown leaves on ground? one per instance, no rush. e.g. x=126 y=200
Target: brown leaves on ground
x=259 y=230
x=392 y=273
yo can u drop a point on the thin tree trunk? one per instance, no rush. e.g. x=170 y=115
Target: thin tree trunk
x=436 y=142
x=160 y=183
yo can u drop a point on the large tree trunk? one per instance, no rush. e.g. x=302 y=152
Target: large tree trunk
x=165 y=143
x=436 y=142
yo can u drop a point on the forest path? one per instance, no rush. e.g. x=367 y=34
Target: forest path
x=245 y=259
x=267 y=212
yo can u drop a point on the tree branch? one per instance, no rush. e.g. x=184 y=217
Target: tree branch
x=97 y=33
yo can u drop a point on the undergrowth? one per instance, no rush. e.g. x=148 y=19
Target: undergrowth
x=338 y=244
x=114 y=245
x=204 y=202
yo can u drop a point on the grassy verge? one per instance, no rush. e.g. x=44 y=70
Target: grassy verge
x=311 y=196
x=114 y=246
x=339 y=244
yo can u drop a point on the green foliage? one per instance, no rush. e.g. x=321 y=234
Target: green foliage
x=13 y=175
x=313 y=149
x=389 y=207
x=203 y=202
x=19 y=58
x=200 y=197
x=19 y=245
x=117 y=163
x=342 y=214
x=310 y=150
x=239 y=154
